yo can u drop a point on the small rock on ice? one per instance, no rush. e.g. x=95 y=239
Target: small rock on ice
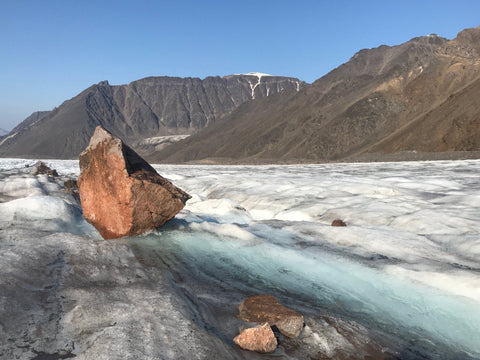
x=266 y=308
x=338 y=222
x=259 y=338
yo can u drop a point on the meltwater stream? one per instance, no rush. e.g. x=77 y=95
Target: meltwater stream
x=429 y=320
x=406 y=268
x=407 y=264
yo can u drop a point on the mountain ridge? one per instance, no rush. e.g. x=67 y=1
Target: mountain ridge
x=148 y=107
x=348 y=111
x=419 y=96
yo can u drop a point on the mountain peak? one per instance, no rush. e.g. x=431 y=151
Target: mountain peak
x=469 y=38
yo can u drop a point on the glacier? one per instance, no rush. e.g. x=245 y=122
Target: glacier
x=400 y=281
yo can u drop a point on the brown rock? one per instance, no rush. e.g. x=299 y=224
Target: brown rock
x=42 y=168
x=120 y=193
x=70 y=184
x=259 y=338
x=265 y=308
x=338 y=222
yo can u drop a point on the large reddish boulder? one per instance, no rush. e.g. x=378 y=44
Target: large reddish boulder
x=120 y=193
x=266 y=308
x=260 y=338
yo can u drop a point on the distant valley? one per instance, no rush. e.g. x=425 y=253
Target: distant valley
x=390 y=102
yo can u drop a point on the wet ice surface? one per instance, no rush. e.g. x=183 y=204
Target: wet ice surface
x=402 y=278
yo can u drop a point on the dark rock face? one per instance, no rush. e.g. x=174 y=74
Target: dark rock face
x=266 y=308
x=120 y=193
x=150 y=107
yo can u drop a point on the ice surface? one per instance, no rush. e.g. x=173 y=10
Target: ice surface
x=408 y=254
x=43 y=212
x=406 y=266
x=38 y=202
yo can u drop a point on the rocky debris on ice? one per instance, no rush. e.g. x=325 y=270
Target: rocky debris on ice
x=121 y=194
x=43 y=169
x=39 y=202
x=338 y=222
x=266 y=308
x=70 y=184
x=259 y=338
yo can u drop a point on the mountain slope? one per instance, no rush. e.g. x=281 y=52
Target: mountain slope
x=452 y=126
x=146 y=108
x=383 y=100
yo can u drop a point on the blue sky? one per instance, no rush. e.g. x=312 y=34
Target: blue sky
x=51 y=50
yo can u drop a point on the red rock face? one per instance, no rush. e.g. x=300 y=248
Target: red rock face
x=121 y=194
x=259 y=338
x=265 y=308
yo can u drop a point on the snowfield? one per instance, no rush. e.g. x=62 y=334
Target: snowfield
x=401 y=280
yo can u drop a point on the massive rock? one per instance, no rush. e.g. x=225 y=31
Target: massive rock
x=121 y=194
x=259 y=338
x=266 y=308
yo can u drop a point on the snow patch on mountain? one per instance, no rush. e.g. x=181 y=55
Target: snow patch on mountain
x=258 y=74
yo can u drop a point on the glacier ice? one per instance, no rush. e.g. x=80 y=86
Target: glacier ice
x=403 y=273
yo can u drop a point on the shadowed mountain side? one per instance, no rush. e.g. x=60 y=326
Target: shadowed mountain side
x=452 y=126
x=32 y=119
x=239 y=135
x=147 y=108
x=424 y=90
x=65 y=131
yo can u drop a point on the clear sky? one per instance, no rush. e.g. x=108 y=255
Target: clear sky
x=51 y=50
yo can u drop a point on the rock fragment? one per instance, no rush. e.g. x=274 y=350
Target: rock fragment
x=70 y=184
x=338 y=222
x=42 y=168
x=266 y=308
x=259 y=338
x=120 y=193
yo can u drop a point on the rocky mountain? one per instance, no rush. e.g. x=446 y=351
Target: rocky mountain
x=32 y=119
x=148 y=108
x=418 y=96
x=3 y=132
